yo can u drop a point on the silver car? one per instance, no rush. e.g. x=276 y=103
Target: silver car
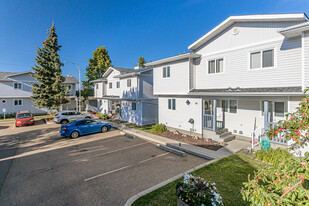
x=65 y=117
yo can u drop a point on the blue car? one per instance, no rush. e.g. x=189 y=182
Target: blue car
x=83 y=126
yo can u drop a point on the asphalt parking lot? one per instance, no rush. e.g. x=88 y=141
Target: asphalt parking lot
x=38 y=167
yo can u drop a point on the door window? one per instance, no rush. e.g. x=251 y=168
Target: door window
x=208 y=107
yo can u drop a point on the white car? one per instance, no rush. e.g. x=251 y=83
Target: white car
x=65 y=117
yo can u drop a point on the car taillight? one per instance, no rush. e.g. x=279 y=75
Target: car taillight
x=64 y=128
x=56 y=117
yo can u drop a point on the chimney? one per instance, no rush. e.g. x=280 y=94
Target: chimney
x=137 y=67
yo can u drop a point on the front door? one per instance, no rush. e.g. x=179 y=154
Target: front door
x=208 y=114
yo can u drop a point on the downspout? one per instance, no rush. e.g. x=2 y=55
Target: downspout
x=303 y=61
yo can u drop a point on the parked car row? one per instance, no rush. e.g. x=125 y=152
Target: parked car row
x=73 y=123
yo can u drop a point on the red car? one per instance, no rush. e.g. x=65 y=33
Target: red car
x=24 y=118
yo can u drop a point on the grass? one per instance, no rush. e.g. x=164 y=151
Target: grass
x=228 y=173
x=35 y=117
x=142 y=128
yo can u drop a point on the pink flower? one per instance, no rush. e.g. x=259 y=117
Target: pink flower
x=303 y=163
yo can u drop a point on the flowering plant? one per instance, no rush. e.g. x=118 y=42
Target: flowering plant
x=196 y=191
x=285 y=183
x=295 y=126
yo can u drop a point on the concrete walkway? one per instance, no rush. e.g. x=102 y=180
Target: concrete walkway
x=182 y=146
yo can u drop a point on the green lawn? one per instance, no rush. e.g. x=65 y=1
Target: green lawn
x=142 y=128
x=35 y=117
x=228 y=174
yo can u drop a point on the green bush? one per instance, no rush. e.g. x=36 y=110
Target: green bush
x=9 y=115
x=103 y=116
x=158 y=128
x=273 y=156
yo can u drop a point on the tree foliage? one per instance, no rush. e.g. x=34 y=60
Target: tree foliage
x=49 y=92
x=141 y=62
x=98 y=64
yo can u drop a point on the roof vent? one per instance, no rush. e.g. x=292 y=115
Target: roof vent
x=235 y=31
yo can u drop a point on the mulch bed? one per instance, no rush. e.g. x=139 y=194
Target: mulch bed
x=200 y=142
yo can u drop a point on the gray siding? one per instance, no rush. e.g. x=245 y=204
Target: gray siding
x=150 y=112
x=27 y=105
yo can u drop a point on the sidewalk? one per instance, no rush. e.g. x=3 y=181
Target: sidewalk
x=185 y=147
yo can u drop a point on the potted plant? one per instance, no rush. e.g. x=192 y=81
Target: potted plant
x=196 y=191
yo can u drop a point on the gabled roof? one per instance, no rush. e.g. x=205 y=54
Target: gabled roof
x=173 y=58
x=246 y=18
x=70 y=80
x=3 y=75
x=295 y=30
x=135 y=72
x=20 y=73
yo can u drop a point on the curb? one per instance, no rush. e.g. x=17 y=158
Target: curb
x=190 y=152
x=140 y=194
x=171 y=150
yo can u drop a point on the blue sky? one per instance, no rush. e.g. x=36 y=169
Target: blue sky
x=129 y=29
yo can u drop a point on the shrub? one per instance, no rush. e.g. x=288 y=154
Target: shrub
x=286 y=183
x=102 y=116
x=197 y=191
x=273 y=156
x=158 y=128
x=7 y=116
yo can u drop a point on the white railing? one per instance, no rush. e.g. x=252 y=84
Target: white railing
x=208 y=121
x=259 y=134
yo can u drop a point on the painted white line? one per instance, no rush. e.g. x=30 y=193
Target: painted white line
x=117 y=150
x=122 y=168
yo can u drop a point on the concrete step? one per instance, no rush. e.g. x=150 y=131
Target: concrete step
x=228 y=138
x=225 y=134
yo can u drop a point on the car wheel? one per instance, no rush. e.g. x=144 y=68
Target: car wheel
x=104 y=129
x=64 y=121
x=74 y=134
x=87 y=117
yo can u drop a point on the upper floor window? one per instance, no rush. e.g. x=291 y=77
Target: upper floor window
x=215 y=66
x=110 y=85
x=166 y=72
x=17 y=85
x=69 y=87
x=118 y=84
x=262 y=59
x=97 y=86
x=18 y=102
x=133 y=106
x=128 y=82
x=172 y=104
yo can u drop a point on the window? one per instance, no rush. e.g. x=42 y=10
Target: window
x=97 y=86
x=262 y=59
x=118 y=84
x=83 y=122
x=18 y=102
x=17 y=85
x=279 y=109
x=166 y=72
x=110 y=85
x=172 y=104
x=225 y=105
x=133 y=106
x=215 y=66
x=233 y=106
x=270 y=107
x=128 y=82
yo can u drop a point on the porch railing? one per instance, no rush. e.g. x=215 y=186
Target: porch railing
x=259 y=134
x=207 y=121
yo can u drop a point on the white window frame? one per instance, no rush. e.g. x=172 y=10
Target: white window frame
x=261 y=58
x=129 y=82
x=22 y=102
x=230 y=107
x=227 y=106
x=173 y=106
x=118 y=84
x=167 y=68
x=216 y=59
x=21 y=85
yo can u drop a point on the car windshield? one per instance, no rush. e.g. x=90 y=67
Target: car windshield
x=23 y=115
x=70 y=122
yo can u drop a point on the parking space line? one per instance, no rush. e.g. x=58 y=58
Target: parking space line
x=117 y=150
x=125 y=167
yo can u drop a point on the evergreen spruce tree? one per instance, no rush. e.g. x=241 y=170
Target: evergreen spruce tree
x=141 y=62
x=50 y=91
x=98 y=64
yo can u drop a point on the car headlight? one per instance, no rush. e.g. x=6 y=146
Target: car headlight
x=31 y=120
x=18 y=121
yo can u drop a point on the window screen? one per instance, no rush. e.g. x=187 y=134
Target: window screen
x=255 y=60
